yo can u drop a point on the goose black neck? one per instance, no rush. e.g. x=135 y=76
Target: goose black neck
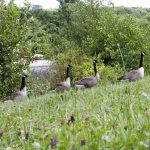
x=23 y=83
x=67 y=75
x=141 y=60
x=95 y=70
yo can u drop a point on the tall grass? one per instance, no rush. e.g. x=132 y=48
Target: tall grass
x=112 y=116
x=121 y=57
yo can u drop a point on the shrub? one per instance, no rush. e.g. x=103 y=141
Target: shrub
x=12 y=32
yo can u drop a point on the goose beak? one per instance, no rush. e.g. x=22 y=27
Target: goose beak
x=69 y=65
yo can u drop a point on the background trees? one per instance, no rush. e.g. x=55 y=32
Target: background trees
x=75 y=33
x=97 y=30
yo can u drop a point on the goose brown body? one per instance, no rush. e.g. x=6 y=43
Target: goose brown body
x=134 y=74
x=89 y=81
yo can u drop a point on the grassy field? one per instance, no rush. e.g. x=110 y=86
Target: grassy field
x=106 y=117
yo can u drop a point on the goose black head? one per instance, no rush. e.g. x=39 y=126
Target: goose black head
x=94 y=64
x=142 y=53
x=25 y=76
x=68 y=70
x=141 y=59
x=69 y=65
x=95 y=61
x=23 y=82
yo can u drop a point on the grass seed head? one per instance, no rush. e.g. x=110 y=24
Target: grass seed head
x=83 y=142
x=71 y=118
x=36 y=145
x=126 y=127
x=1 y=132
x=27 y=136
x=53 y=142
x=40 y=128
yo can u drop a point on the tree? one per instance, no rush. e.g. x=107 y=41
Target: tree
x=37 y=38
x=97 y=30
x=63 y=9
x=12 y=32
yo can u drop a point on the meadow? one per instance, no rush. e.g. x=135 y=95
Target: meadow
x=106 y=117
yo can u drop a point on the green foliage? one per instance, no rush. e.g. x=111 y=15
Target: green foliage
x=37 y=38
x=83 y=66
x=137 y=12
x=11 y=38
x=49 y=21
x=77 y=60
x=97 y=30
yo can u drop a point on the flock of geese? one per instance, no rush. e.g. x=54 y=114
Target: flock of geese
x=86 y=82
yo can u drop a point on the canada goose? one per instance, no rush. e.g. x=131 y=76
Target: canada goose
x=66 y=84
x=134 y=74
x=88 y=81
x=20 y=94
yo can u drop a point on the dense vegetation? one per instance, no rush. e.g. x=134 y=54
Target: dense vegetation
x=109 y=116
x=75 y=33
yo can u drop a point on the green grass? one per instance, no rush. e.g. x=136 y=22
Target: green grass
x=107 y=117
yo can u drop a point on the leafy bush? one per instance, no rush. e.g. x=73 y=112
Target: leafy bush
x=12 y=32
x=83 y=66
